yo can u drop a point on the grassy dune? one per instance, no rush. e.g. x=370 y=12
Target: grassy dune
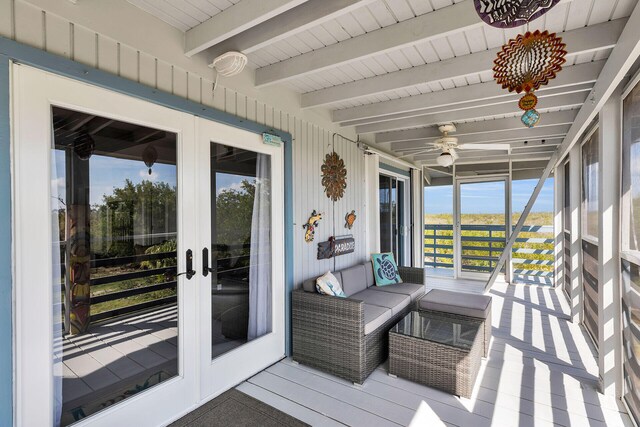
x=476 y=249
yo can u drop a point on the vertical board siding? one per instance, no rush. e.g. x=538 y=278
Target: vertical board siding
x=30 y=25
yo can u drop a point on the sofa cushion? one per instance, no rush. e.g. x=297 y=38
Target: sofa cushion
x=327 y=284
x=385 y=269
x=374 y=317
x=368 y=270
x=309 y=285
x=412 y=290
x=396 y=302
x=353 y=279
x=471 y=305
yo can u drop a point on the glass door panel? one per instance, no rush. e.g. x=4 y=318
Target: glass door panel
x=241 y=247
x=387 y=214
x=241 y=194
x=438 y=230
x=114 y=195
x=481 y=225
x=392 y=217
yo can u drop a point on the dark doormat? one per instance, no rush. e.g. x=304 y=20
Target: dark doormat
x=235 y=409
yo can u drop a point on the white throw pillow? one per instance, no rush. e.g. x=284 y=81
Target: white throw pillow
x=327 y=284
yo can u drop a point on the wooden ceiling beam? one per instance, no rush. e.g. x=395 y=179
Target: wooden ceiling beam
x=624 y=55
x=293 y=21
x=505 y=136
x=450 y=19
x=463 y=129
x=571 y=100
x=234 y=20
x=579 y=41
x=572 y=78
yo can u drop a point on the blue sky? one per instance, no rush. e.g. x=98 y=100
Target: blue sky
x=488 y=197
x=108 y=173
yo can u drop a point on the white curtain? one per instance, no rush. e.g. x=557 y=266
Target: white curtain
x=56 y=276
x=260 y=257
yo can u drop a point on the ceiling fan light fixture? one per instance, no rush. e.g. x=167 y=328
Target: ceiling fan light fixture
x=445 y=159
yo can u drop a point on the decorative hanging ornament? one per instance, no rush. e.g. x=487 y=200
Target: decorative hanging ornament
x=512 y=13
x=529 y=61
x=530 y=118
x=528 y=102
x=334 y=176
x=149 y=156
x=84 y=146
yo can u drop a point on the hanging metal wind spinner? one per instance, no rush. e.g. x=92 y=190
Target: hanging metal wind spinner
x=512 y=13
x=527 y=62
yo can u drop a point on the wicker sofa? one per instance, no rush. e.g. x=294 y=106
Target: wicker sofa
x=348 y=337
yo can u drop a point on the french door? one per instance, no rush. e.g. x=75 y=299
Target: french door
x=481 y=225
x=138 y=295
x=240 y=230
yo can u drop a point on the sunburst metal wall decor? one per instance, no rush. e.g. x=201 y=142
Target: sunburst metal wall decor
x=512 y=13
x=334 y=176
x=526 y=63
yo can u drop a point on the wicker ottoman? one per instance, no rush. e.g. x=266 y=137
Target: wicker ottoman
x=437 y=350
x=460 y=304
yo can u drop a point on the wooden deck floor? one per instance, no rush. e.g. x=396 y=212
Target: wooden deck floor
x=117 y=355
x=540 y=371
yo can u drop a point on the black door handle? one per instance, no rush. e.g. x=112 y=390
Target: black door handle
x=190 y=271
x=205 y=263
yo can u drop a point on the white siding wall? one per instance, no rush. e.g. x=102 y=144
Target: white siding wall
x=53 y=33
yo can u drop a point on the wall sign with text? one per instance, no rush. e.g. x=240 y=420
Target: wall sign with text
x=336 y=247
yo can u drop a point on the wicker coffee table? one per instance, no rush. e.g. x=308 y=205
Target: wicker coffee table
x=437 y=350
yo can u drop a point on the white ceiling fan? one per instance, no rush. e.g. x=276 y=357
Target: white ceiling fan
x=449 y=144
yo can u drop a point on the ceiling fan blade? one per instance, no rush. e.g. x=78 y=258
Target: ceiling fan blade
x=453 y=153
x=426 y=150
x=493 y=147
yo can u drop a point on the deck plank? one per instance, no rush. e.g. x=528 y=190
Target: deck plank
x=319 y=402
x=302 y=413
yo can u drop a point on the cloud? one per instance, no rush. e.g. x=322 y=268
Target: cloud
x=144 y=174
x=235 y=186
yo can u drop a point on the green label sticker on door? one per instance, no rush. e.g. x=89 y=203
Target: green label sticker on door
x=269 y=139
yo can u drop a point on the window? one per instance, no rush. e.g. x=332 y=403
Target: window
x=589 y=213
x=630 y=227
x=590 y=187
x=566 y=247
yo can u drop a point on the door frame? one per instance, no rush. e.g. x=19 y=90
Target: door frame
x=457 y=226
x=12 y=52
x=406 y=211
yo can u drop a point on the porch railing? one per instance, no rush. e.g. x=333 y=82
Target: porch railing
x=147 y=280
x=482 y=245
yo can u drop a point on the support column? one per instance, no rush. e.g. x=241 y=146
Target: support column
x=78 y=233
x=558 y=231
x=417 y=217
x=575 y=179
x=372 y=203
x=609 y=344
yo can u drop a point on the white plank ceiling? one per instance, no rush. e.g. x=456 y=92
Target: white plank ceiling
x=381 y=92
